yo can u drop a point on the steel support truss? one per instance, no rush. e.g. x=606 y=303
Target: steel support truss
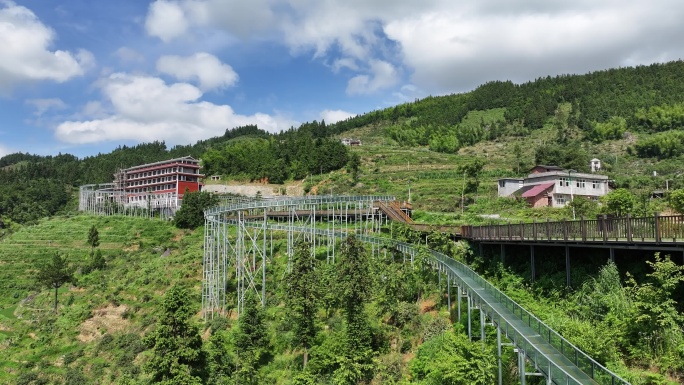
x=237 y=236
x=238 y=239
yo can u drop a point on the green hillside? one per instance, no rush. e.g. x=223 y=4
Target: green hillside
x=448 y=151
x=630 y=118
x=104 y=313
x=97 y=335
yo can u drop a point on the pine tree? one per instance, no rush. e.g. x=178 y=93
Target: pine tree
x=353 y=166
x=93 y=238
x=54 y=274
x=355 y=288
x=302 y=297
x=178 y=356
x=221 y=362
x=250 y=340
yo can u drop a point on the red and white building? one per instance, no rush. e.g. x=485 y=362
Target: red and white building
x=554 y=186
x=166 y=180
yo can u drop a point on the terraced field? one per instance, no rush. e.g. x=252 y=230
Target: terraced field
x=21 y=252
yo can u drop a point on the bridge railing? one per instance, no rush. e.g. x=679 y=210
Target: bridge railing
x=587 y=364
x=654 y=229
x=458 y=271
x=290 y=201
x=557 y=374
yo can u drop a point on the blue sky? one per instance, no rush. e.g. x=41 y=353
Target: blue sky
x=84 y=76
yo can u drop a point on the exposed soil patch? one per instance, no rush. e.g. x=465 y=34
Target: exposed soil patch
x=134 y=247
x=105 y=320
x=427 y=306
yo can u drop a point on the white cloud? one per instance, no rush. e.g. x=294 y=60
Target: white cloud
x=452 y=46
x=44 y=105
x=457 y=48
x=383 y=75
x=169 y=20
x=240 y=18
x=334 y=116
x=25 y=54
x=201 y=67
x=4 y=150
x=348 y=63
x=166 y=20
x=145 y=108
x=94 y=110
x=129 y=55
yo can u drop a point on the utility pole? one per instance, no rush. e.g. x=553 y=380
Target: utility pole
x=409 y=185
x=463 y=193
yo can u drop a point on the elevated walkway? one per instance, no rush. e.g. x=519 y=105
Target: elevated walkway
x=551 y=355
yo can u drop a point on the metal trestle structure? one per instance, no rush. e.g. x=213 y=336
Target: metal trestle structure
x=237 y=237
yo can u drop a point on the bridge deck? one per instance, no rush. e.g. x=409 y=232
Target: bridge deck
x=514 y=328
x=557 y=359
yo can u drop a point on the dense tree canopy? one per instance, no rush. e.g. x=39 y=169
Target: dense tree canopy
x=191 y=213
x=178 y=356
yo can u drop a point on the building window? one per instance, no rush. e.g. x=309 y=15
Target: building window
x=560 y=200
x=581 y=183
x=595 y=184
x=564 y=182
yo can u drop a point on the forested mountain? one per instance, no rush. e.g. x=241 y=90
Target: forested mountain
x=596 y=96
x=593 y=107
x=34 y=186
x=129 y=314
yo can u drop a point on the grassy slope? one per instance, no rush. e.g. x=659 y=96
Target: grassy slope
x=388 y=168
x=119 y=301
x=103 y=317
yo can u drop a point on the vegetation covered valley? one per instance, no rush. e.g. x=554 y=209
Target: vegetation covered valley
x=128 y=309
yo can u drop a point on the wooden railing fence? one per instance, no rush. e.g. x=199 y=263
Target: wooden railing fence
x=656 y=229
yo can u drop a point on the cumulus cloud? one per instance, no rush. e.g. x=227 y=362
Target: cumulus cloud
x=447 y=46
x=448 y=50
x=334 y=116
x=25 y=53
x=145 y=108
x=202 y=67
x=382 y=75
x=166 y=20
x=44 y=105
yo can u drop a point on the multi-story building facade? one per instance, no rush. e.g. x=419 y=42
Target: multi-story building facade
x=165 y=180
x=553 y=186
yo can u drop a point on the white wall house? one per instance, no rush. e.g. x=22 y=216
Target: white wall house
x=555 y=188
